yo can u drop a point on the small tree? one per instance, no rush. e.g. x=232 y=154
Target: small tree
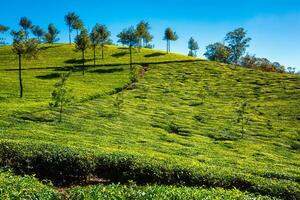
x=143 y=34
x=193 y=47
x=3 y=29
x=94 y=38
x=51 y=36
x=170 y=36
x=78 y=26
x=237 y=43
x=38 y=32
x=70 y=19
x=217 y=52
x=118 y=103
x=129 y=37
x=104 y=37
x=60 y=95
x=242 y=118
x=82 y=42
x=26 y=24
x=23 y=46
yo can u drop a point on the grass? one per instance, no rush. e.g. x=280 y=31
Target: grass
x=177 y=125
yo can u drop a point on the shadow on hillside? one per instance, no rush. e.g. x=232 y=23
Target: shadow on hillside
x=100 y=71
x=155 y=54
x=120 y=54
x=77 y=61
x=48 y=47
x=49 y=76
x=123 y=48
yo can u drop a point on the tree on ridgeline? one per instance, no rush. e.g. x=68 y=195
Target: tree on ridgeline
x=82 y=42
x=3 y=29
x=129 y=37
x=94 y=38
x=78 y=26
x=51 y=36
x=217 y=52
x=22 y=46
x=104 y=37
x=237 y=42
x=170 y=36
x=38 y=32
x=26 y=24
x=70 y=19
x=143 y=34
x=60 y=95
x=262 y=64
x=193 y=47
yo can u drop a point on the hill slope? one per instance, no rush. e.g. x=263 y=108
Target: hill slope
x=178 y=124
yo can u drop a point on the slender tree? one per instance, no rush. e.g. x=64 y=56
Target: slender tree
x=3 y=29
x=51 y=36
x=237 y=43
x=38 y=32
x=78 y=26
x=170 y=36
x=128 y=37
x=70 y=19
x=193 y=47
x=242 y=117
x=94 y=38
x=23 y=46
x=104 y=37
x=60 y=95
x=143 y=34
x=82 y=42
x=26 y=24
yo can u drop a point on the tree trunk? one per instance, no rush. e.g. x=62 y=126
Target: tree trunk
x=102 y=49
x=130 y=49
x=70 y=34
x=167 y=46
x=94 y=55
x=83 y=62
x=61 y=110
x=20 y=76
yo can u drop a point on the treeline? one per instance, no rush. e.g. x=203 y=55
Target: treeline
x=231 y=51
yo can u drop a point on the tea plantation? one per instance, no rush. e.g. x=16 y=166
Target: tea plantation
x=187 y=129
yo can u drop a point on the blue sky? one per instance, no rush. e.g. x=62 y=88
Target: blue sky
x=273 y=25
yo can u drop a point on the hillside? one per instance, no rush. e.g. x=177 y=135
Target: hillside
x=177 y=129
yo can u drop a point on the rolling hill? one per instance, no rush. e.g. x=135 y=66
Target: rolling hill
x=178 y=129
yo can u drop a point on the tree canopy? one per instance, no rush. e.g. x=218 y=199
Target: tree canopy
x=217 y=52
x=51 y=35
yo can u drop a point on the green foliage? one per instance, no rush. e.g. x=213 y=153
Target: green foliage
x=60 y=95
x=128 y=37
x=70 y=20
x=193 y=47
x=26 y=24
x=51 y=36
x=262 y=64
x=169 y=36
x=38 y=32
x=26 y=187
x=143 y=34
x=242 y=118
x=119 y=101
x=237 y=43
x=217 y=52
x=3 y=29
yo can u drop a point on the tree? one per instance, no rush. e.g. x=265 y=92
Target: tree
x=262 y=64
x=237 y=43
x=291 y=70
x=3 y=29
x=193 y=47
x=70 y=19
x=38 y=32
x=129 y=37
x=23 y=46
x=217 y=52
x=242 y=118
x=143 y=34
x=78 y=25
x=170 y=36
x=51 y=36
x=82 y=42
x=118 y=103
x=60 y=95
x=94 y=38
x=26 y=24
x=104 y=37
